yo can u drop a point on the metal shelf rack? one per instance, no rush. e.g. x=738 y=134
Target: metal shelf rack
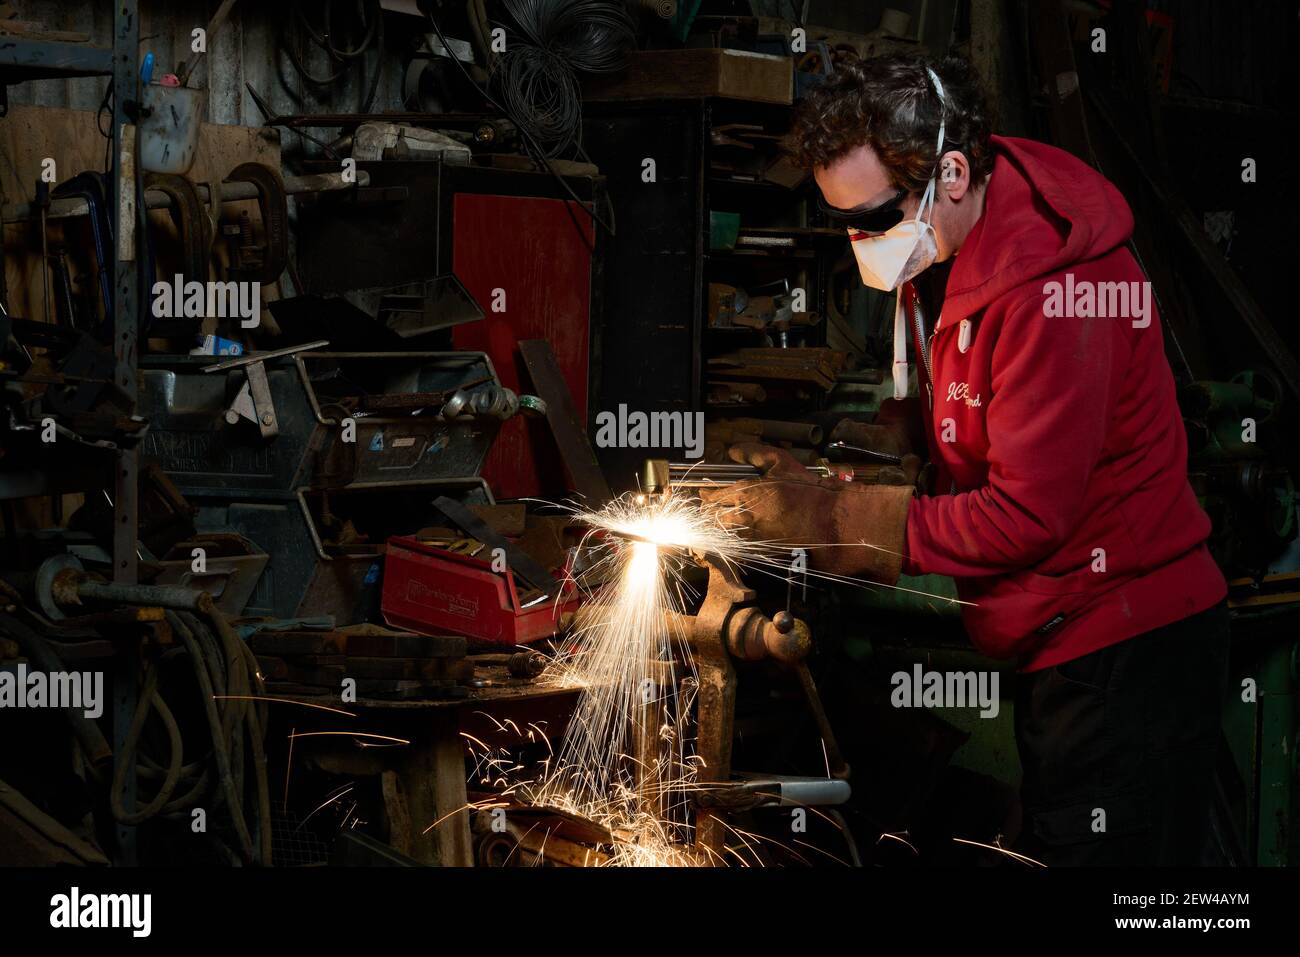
x=23 y=59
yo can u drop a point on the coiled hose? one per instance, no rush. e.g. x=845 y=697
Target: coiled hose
x=225 y=671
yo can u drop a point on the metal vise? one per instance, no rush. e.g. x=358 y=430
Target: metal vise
x=730 y=626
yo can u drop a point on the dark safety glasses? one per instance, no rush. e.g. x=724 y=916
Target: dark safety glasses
x=871 y=219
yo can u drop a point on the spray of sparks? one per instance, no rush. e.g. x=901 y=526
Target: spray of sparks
x=626 y=763
x=626 y=759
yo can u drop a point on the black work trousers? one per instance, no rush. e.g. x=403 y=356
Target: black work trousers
x=1118 y=748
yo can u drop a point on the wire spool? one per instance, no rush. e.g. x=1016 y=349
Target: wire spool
x=536 y=78
x=667 y=9
x=45 y=575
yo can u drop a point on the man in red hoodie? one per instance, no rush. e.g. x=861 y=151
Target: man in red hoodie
x=1063 y=509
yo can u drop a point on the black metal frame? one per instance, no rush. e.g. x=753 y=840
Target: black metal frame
x=22 y=60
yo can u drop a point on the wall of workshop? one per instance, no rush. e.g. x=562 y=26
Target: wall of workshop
x=1242 y=51
x=1232 y=94
x=247 y=49
x=250 y=49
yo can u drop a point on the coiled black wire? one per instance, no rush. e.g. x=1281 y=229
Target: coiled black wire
x=536 y=77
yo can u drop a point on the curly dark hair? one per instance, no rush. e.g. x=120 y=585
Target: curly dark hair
x=890 y=103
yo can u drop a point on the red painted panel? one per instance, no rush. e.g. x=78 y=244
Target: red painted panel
x=538 y=253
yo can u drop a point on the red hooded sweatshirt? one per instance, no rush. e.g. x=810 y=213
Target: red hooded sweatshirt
x=1071 y=524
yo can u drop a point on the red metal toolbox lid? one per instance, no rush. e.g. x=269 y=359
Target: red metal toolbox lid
x=430 y=590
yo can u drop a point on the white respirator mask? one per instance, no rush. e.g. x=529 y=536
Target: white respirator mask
x=890 y=259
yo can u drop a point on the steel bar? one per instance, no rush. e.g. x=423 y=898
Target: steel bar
x=165 y=596
x=126 y=322
x=54 y=59
x=157 y=199
x=567 y=428
x=253 y=358
x=706 y=475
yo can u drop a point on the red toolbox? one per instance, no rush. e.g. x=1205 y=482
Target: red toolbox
x=431 y=590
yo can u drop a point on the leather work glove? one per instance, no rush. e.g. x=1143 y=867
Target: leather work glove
x=856 y=531
x=897 y=429
x=888 y=439
x=906 y=472
x=896 y=432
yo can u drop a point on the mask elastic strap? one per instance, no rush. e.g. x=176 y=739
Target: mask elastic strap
x=927 y=201
x=943 y=109
x=943 y=104
x=927 y=205
x=900 y=347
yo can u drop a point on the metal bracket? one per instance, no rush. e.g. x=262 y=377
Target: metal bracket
x=254 y=401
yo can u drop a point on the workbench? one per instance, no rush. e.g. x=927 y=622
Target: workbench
x=423 y=782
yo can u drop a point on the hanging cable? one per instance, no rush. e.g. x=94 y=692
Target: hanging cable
x=224 y=672
x=370 y=23
x=535 y=152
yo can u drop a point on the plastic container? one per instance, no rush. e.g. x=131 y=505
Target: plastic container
x=724 y=229
x=169 y=135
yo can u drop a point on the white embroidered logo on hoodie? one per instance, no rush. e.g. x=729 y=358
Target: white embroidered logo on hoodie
x=961 y=390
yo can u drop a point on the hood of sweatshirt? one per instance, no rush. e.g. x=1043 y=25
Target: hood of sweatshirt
x=1050 y=209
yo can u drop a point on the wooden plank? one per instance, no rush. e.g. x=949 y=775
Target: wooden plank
x=685 y=74
x=431 y=779
x=986 y=28
x=405 y=646
x=395 y=808
x=331 y=647
x=280 y=643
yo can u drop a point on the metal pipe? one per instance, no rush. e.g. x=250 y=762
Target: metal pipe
x=165 y=596
x=703 y=474
x=863 y=450
x=214 y=25
x=835 y=758
x=775 y=791
x=156 y=199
